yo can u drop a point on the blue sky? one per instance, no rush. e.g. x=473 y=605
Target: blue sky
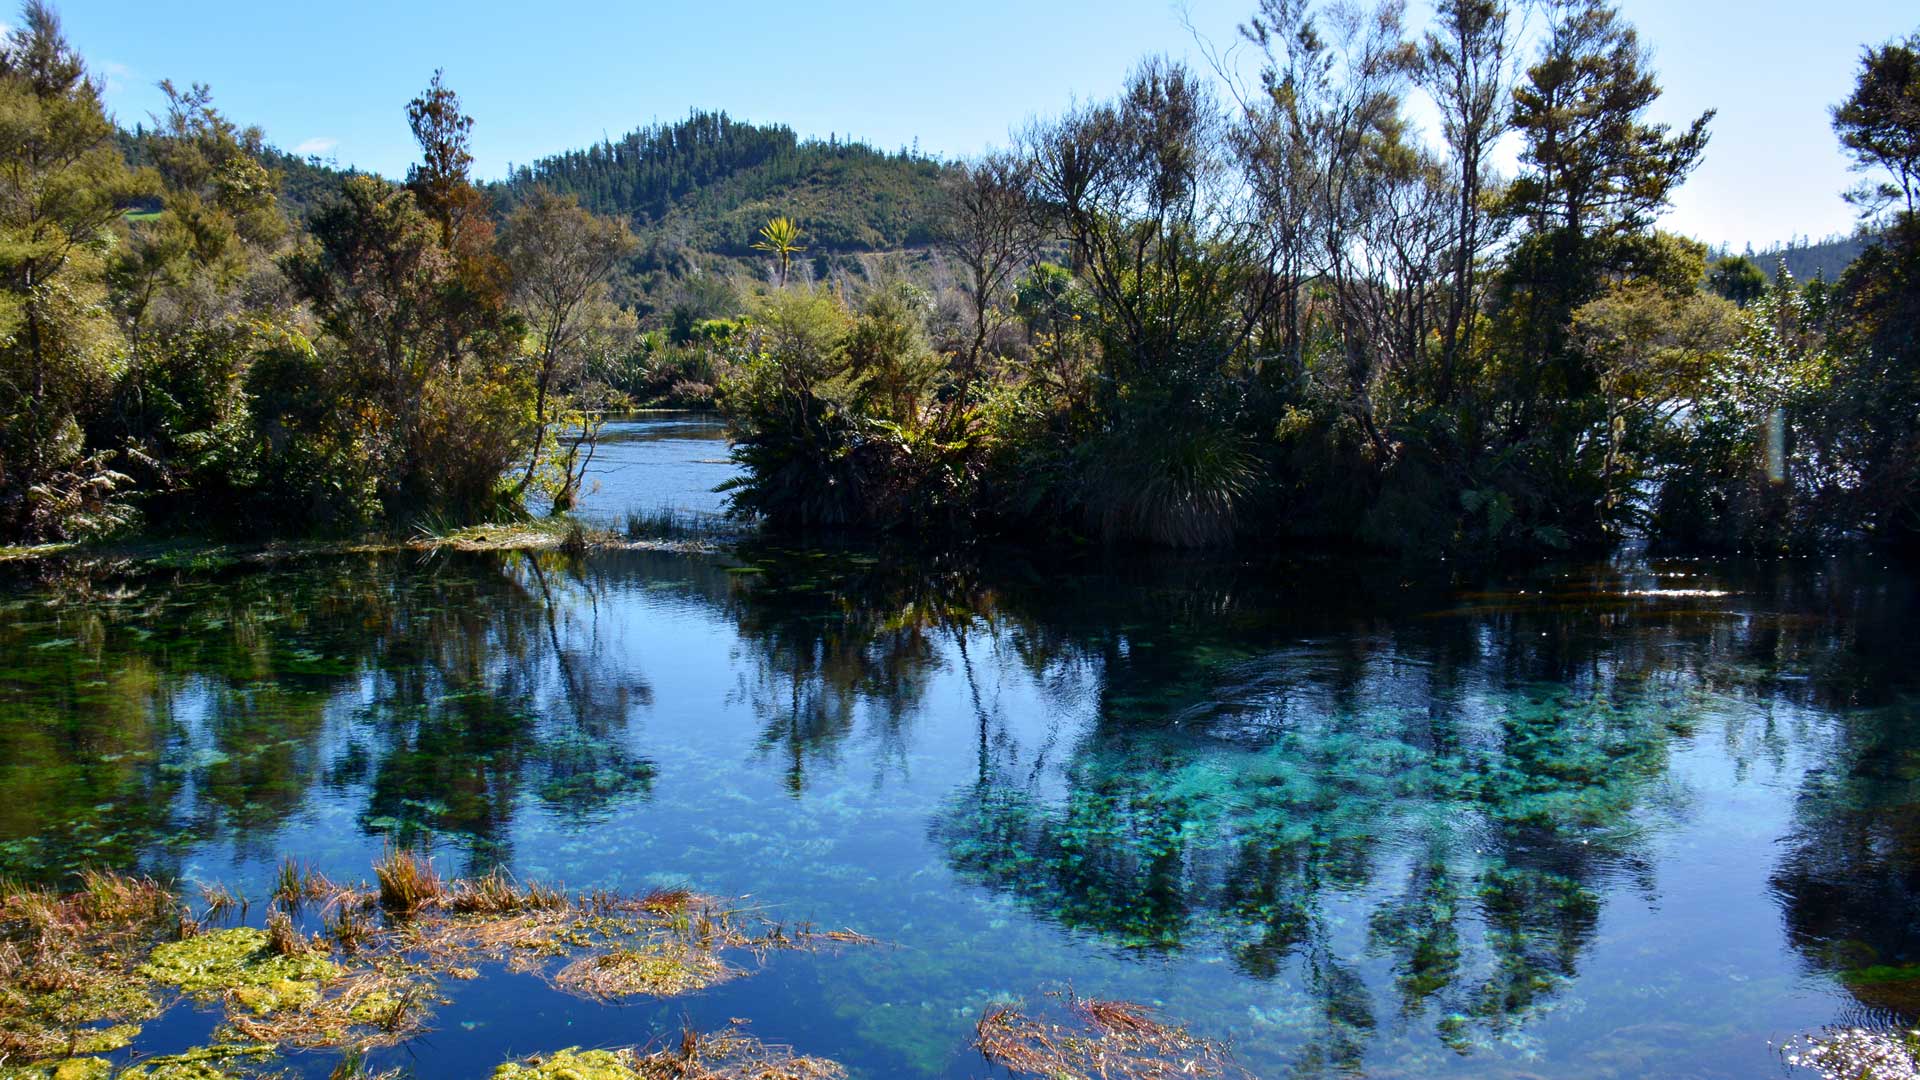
x=334 y=78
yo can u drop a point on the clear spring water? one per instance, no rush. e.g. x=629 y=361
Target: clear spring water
x=1615 y=821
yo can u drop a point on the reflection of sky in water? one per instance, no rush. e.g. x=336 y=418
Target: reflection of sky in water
x=652 y=462
x=1345 y=825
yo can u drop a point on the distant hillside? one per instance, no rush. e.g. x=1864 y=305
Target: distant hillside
x=1827 y=258
x=709 y=182
x=305 y=182
x=697 y=191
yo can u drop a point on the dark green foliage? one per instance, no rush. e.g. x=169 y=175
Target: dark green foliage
x=171 y=346
x=1162 y=319
x=1875 y=410
x=717 y=181
x=1737 y=279
x=1879 y=125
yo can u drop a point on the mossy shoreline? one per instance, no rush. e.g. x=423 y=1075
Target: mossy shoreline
x=199 y=553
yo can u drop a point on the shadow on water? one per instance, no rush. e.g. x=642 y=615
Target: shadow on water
x=1592 y=822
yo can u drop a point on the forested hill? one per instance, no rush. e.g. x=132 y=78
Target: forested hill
x=710 y=182
x=1826 y=258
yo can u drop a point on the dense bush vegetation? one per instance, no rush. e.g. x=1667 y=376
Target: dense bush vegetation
x=1181 y=317
x=202 y=361
x=1293 y=317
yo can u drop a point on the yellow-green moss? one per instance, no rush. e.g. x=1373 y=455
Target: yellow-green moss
x=90 y=1068
x=222 y=1061
x=238 y=960
x=572 y=1063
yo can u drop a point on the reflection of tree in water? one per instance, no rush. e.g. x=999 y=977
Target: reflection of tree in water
x=819 y=638
x=205 y=708
x=1849 y=878
x=1469 y=784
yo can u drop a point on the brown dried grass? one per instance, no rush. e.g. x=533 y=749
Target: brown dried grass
x=408 y=881
x=67 y=961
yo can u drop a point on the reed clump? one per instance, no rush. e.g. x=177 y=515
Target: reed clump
x=408 y=881
x=498 y=894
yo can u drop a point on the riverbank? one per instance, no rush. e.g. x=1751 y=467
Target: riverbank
x=658 y=532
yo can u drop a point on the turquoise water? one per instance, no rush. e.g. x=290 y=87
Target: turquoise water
x=1601 y=821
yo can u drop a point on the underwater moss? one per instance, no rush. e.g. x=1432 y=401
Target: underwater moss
x=1892 y=987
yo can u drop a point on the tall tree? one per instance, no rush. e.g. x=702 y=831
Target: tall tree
x=990 y=234
x=1465 y=67
x=560 y=257
x=63 y=187
x=441 y=181
x=1879 y=124
x=1595 y=173
x=194 y=285
x=1875 y=412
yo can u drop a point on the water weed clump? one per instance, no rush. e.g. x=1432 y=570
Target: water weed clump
x=67 y=979
x=218 y=1062
x=1102 y=1040
x=381 y=1006
x=242 y=967
x=664 y=969
x=79 y=971
x=728 y=1054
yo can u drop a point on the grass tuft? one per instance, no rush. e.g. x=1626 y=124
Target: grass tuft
x=408 y=881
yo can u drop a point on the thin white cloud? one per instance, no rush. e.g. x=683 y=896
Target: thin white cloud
x=117 y=73
x=321 y=145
